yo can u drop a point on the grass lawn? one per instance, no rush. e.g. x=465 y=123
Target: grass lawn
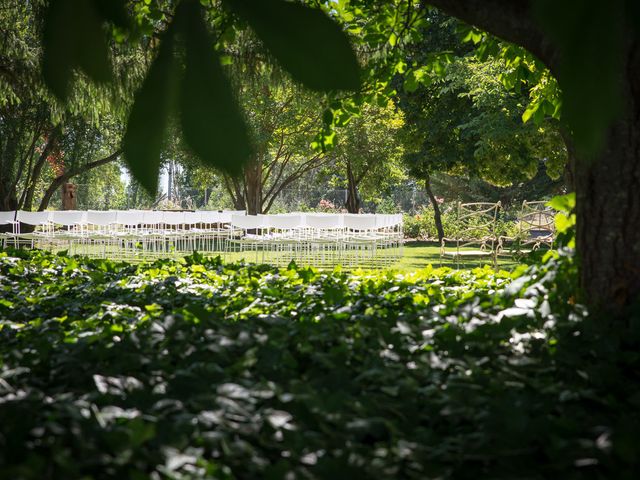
x=415 y=255
x=419 y=254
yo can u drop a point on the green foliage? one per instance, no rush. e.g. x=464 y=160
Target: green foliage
x=467 y=123
x=305 y=41
x=82 y=46
x=368 y=153
x=204 y=370
x=565 y=219
x=142 y=142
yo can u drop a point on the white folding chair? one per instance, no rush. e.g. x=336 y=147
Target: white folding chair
x=247 y=234
x=70 y=225
x=361 y=238
x=285 y=238
x=324 y=238
x=129 y=235
x=214 y=230
x=40 y=226
x=7 y=219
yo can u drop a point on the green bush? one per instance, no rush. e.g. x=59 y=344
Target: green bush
x=196 y=369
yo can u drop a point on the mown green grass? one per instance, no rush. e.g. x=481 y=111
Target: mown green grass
x=417 y=254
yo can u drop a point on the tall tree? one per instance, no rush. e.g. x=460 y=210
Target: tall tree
x=283 y=120
x=368 y=153
x=40 y=138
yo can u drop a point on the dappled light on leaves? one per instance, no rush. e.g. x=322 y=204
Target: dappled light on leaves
x=199 y=369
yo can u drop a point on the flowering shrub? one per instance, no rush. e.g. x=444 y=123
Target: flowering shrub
x=326 y=206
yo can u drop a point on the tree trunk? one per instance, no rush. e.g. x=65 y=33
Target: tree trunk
x=437 y=217
x=608 y=209
x=352 y=203
x=62 y=179
x=570 y=167
x=69 y=199
x=8 y=202
x=8 y=197
x=253 y=187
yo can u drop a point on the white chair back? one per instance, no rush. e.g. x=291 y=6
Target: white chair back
x=68 y=218
x=101 y=218
x=209 y=217
x=324 y=222
x=192 y=218
x=173 y=218
x=360 y=222
x=152 y=217
x=33 y=218
x=7 y=217
x=247 y=222
x=129 y=217
x=284 y=222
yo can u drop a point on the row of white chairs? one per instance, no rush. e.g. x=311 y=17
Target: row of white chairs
x=314 y=238
x=352 y=240
x=49 y=219
x=112 y=218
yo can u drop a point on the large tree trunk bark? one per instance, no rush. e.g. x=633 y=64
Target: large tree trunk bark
x=608 y=208
x=437 y=217
x=253 y=187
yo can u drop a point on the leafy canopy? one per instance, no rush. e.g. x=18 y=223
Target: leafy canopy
x=186 y=80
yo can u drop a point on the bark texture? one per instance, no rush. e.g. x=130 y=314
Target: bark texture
x=437 y=216
x=608 y=205
x=352 y=203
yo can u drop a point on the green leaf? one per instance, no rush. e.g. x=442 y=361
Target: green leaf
x=528 y=113
x=410 y=82
x=58 y=40
x=307 y=43
x=327 y=117
x=149 y=115
x=212 y=124
x=563 y=203
x=72 y=38
x=92 y=50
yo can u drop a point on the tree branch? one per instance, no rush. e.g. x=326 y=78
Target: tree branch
x=59 y=181
x=275 y=190
x=26 y=199
x=511 y=20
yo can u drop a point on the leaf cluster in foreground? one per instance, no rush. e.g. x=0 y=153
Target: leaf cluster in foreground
x=199 y=369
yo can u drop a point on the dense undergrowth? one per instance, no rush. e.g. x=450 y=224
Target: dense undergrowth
x=204 y=370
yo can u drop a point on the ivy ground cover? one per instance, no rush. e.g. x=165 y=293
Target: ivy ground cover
x=197 y=369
